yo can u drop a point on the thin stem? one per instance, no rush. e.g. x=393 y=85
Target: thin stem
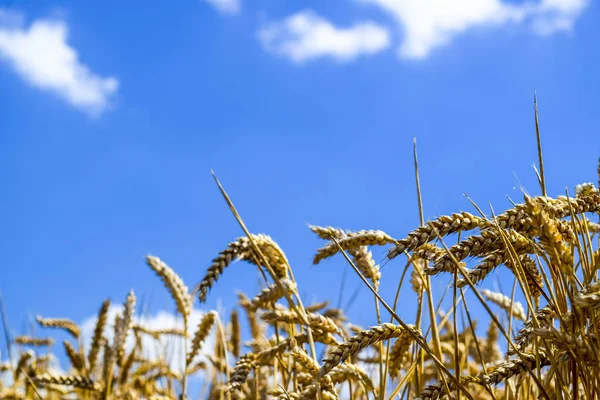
x=420 y=201
x=5 y=328
x=539 y=144
x=185 y=350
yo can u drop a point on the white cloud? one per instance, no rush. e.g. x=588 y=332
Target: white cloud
x=231 y=7
x=428 y=24
x=41 y=56
x=306 y=35
x=557 y=15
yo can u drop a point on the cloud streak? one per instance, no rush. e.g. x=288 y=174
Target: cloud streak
x=430 y=24
x=306 y=36
x=42 y=57
x=423 y=25
x=228 y=7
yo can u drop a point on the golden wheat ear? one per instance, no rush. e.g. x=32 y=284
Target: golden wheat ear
x=513 y=308
x=445 y=225
x=78 y=382
x=356 y=343
x=270 y=295
x=235 y=334
x=242 y=249
x=174 y=285
x=34 y=342
x=60 y=323
x=206 y=324
x=98 y=336
x=76 y=359
x=353 y=240
x=241 y=371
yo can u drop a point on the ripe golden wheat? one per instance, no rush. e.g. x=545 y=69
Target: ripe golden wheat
x=541 y=339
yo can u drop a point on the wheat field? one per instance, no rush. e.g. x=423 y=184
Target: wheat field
x=543 y=346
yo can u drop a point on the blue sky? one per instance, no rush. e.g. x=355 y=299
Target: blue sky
x=113 y=113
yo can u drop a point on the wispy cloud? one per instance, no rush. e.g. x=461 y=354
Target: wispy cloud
x=305 y=36
x=429 y=24
x=557 y=15
x=41 y=56
x=230 y=7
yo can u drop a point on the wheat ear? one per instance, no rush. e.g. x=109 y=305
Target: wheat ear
x=242 y=249
x=353 y=240
x=98 y=336
x=441 y=226
x=271 y=294
x=206 y=323
x=174 y=284
x=399 y=352
x=241 y=371
x=35 y=342
x=589 y=298
x=315 y=321
x=79 y=382
x=60 y=323
x=75 y=358
x=513 y=308
x=356 y=343
x=235 y=337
